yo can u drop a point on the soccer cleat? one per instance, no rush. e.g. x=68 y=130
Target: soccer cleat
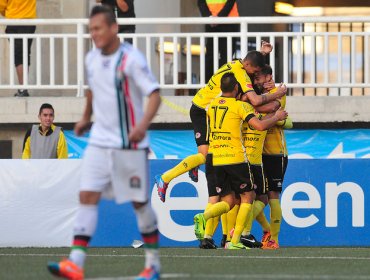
x=271 y=245
x=265 y=237
x=161 y=187
x=207 y=243
x=223 y=241
x=193 y=174
x=199 y=226
x=148 y=274
x=250 y=241
x=66 y=269
x=238 y=246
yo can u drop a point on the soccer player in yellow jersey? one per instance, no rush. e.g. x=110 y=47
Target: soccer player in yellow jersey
x=242 y=69
x=229 y=172
x=274 y=165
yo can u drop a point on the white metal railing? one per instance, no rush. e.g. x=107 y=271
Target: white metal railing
x=305 y=59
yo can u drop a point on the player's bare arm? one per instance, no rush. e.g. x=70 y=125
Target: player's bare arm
x=270 y=107
x=84 y=124
x=138 y=132
x=257 y=100
x=269 y=122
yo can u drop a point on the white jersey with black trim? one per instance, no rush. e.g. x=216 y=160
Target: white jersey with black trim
x=118 y=83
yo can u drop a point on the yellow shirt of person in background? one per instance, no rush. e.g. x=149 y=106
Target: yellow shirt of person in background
x=20 y=9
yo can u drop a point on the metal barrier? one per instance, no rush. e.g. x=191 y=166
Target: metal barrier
x=311 y=55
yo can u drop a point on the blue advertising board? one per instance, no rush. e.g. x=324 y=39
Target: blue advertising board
x=302 y=143
x=324 y=204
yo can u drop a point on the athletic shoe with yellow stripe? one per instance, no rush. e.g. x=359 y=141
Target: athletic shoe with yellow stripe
x=66 y=269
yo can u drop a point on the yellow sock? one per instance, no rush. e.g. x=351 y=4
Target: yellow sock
x=216 y=209
x=275 y=220
x=248 y=224
x=261 y=219
x=258 y=206
x=208 y=233
x=215 y=223
x=185 y=165
x=224 y=224
x=243 y=215
x=231 y=218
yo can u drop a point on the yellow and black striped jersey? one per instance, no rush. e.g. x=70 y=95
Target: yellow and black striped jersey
x=213 y=89
x=226 y=116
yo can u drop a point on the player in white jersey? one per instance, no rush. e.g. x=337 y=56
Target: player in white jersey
x=115 y=161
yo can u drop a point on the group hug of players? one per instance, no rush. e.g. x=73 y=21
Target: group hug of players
x=239 y=121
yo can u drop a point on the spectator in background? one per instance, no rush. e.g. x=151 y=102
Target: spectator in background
x=218 y=8
x=122 y=9
x=45 y=141
x=21 y=9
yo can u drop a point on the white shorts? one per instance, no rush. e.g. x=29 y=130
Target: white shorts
x=119 y=174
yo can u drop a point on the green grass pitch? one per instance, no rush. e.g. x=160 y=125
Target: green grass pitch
x=193 y=263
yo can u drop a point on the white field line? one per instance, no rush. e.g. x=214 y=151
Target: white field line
x=191 y=256
x=246 y=276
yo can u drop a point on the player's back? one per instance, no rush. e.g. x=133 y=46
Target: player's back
x=253 y=140
x=213 y=88
x=226 y=116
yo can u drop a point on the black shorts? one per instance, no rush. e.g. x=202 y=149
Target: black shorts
x=199 y=120
x=275 y=167
x=18 y=43
x=224 y=179
x=259 y=179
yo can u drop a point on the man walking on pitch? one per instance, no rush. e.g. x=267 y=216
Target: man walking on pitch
x=116 y=158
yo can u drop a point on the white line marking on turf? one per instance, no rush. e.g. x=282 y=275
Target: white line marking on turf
x=188 y=256
x=246 y=276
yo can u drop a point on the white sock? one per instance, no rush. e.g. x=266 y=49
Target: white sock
x=147 y=224
x=85 y=225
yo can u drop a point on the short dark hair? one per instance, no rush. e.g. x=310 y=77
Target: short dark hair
x=266 y=70
x=228 y=82
x=256 y=58
x=106 y=11
x=45 y=106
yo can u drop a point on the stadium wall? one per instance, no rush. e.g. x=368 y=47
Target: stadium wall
x=324 y=204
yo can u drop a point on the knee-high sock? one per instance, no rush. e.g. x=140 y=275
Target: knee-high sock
x=84 y=228
x=216 y=210
x=185 y=165
x=275 y=220
x=224 y=224
x=208 y=233
x=261 y=219
x=243 y=215
x=257 y=208
x=231 y=219
x=147 y=224
x=216 y=220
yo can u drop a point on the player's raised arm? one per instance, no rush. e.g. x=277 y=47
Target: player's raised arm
x=258 y=100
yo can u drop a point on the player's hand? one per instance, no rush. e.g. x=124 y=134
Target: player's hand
x=281 y=90
x=281 y=114
x=81 y=127
x=269 y=85
x=137 y=134
x=266 y=48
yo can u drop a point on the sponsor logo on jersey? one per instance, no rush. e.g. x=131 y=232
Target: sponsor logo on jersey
x=222 y=101
x=249 y=86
